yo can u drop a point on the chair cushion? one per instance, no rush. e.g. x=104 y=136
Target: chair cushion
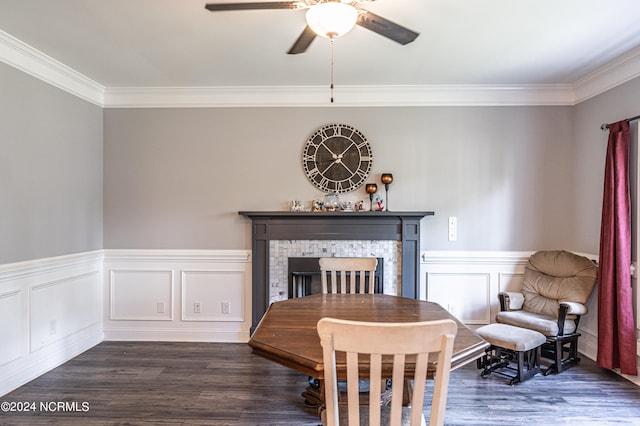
x=510 y=337
x=553 y=277
x=544 y=324
x=364 y=416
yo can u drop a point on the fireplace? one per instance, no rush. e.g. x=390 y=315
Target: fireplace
x=401 y=228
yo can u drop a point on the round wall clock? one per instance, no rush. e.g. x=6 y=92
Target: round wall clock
x=337 y=158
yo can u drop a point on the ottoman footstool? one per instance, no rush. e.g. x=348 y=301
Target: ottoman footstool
x=511 y=344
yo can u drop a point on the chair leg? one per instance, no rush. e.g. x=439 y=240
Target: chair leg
x=558 y=355
x=497 y=360
x=528 y=365
x=555 y=349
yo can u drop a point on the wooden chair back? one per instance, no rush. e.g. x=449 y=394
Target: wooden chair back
x=339 y=274
x=404 y=342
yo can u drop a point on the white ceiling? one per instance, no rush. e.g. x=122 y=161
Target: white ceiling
x=179 y=44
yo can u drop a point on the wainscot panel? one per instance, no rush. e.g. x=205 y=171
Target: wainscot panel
x=211 y=302
x=11 y=330
x=213 y=295
x=50 y=311
x=60 y=308
x=465 y=295
x=143 y=294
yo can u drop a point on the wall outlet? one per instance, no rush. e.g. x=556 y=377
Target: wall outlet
x=453 y=228
x=226 y=307
x=197 y=307
x=160 y=307
x=53 y=327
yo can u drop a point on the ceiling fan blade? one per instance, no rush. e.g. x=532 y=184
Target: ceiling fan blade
x=386 y=28
x=303 y=42
x=219 y=7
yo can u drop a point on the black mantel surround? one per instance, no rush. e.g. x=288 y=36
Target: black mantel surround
x=283 y=225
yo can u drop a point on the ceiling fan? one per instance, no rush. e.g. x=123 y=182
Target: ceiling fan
x=327 y=18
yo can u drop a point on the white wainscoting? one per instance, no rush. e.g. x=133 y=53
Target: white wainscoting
x=467 y=285
x=50 y=311
x=177 y=295
x=54 y=309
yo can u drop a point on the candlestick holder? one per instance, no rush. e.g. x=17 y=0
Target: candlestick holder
x=386 y=179
x=371 y=189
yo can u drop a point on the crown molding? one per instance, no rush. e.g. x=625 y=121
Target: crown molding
x=345 y=96
x=615 y=73
x=35 y=63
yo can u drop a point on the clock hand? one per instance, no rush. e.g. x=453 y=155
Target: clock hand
x=330 y=152
x=343 y=152
x=348 y=169
x=328 y=167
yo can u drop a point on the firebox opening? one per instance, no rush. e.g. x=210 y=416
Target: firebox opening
x=304 y=276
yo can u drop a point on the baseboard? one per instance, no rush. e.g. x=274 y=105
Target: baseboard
x=175 y=335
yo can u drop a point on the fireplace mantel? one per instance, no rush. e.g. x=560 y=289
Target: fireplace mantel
x=283 y=225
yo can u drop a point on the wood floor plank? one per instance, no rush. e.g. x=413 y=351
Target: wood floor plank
x=169 y=383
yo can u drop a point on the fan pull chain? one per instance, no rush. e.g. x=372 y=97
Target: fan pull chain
x=332 y=44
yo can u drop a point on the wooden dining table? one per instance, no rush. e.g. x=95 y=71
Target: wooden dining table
x=287 y=332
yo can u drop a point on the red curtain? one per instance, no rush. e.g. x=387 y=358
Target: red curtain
x=616 y=335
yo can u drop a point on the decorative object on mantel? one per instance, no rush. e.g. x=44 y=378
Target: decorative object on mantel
x=379 y=205
x=317 y=206
x=386 y=179
x=371 y=189
x=337 y=158
x=297 y=206
x=331 y=202
x=346 y=206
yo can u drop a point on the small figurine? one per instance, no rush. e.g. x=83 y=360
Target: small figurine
x=379 y=203
x=360 y=206
x=317 y=206
x=297 y=206
x=347 y=206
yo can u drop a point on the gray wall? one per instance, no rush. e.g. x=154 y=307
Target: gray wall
x=517 y=178
x=50 y=170
x=176 y=178
x=591 y=145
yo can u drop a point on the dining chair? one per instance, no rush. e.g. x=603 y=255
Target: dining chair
x=364 y=345
x=348 y=274
x=339 y=275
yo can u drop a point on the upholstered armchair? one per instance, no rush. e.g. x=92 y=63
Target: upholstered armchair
x=555 y=289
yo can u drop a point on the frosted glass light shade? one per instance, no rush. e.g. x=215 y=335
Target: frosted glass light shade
x=331 y=19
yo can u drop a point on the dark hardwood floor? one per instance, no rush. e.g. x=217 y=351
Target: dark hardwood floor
x=143 y=383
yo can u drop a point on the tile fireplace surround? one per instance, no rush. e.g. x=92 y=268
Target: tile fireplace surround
x=281 y=250
x=336 y=227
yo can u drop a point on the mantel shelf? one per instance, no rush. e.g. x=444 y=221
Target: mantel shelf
x=341 y=214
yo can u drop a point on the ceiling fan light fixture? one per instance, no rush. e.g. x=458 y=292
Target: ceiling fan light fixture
x=331 y=19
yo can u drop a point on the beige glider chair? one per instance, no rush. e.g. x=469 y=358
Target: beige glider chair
x=556 y=287
x=348 y=274
x=365 y=343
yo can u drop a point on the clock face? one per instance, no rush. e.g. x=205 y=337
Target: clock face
x=337 y=158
